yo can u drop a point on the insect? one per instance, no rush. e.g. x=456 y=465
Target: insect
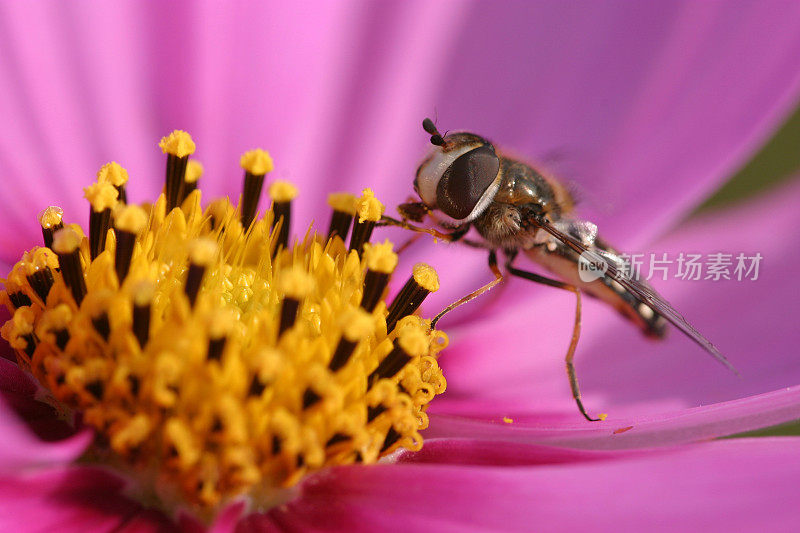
x=464 y=182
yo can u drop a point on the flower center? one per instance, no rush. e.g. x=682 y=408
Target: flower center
x=213 y=356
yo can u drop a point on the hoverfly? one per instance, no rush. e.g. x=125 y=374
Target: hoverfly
x=464 y=182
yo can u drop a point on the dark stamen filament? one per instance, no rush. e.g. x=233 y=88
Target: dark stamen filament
x=51 y=220
x=124 y=254
x=362 y=231
x=65 y=244
x=215 y=348
x=310 y=398
x=289 y=309
x=102 y=198
x=340 y=224
x=252 y=193
x=374 y=285
x=336 y=439
x=194 y=280
x=41 y=281
x=342 y=354
x=283 y=216
x=176 y=170
x=62 y=338
x=374 y=412
x=391 y=364
x=19 y=299
x=101 y=325
x=129 y=221
x=391 y=438
x=31 y=341
x=344 y=208
x=202 y=252
x=191 y=179
x=282 y=194
x=98 y=230
x=141 y=322
x=417 y=288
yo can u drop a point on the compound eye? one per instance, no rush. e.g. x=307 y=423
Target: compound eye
x=464 y=182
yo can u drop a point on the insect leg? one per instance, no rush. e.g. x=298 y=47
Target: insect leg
x=498 y=277
x=389 y=221
x=576 y=330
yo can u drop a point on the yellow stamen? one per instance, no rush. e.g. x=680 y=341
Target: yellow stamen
x=130 y=218
x=213 y=363
x=380 y=257
x=257 y=162
x=282 y=191
x=113 y=173
x=101 y=195
x=51 y=217
x=369 y=208
x=423 y=282
x=343 y=202
x=66 y=241
x=426 y=277
x=178 y=143
x=369 y=211
x=344 y=208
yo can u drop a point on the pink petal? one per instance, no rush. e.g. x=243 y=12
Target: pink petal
x=627 y=431
x=476 y=452
x=148 y=521
x=226 y=521
x=515 y=357
x=78 y=499
x=23 y=449
x=743 y=484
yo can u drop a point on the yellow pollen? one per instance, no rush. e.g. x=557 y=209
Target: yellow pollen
x=380 y=257
x=194 y=169
x=23 y=320
x=413 y=341
x=130 y=218
x=356 y=325
x=368 y=207
x=53 y=319
x=343 y=202
x=40 y=259
x=66 y=241
x=296 y=283
x=203 y=251
x=257 y=162
x=142 y=292
x=282 y=191
x=101 y=196
x=98 y=302
x=113 y=173
x=508 y=420
x=51 y=216
x=178 y=143
x=219 y=366
x=426 y=277
x=221 y=323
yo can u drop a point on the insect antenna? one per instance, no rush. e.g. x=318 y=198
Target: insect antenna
x=436 y=138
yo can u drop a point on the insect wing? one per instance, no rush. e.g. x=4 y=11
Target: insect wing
x=643 y=293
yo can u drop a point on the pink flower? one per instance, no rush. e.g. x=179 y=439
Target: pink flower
x=653 y=105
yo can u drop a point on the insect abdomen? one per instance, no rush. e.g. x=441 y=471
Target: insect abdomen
x=563 y=262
